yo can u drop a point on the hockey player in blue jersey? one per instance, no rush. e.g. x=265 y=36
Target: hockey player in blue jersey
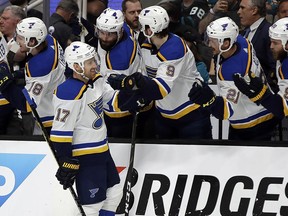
x=250 y=86
x=172 y=70
x=79 y=132
x=120 y=54
x=44 y=70
x=248 y=121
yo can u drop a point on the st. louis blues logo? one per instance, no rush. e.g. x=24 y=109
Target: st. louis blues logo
x=224 y=26
x=146 y=12
x=115 y=15
x=31 y=24
x=93 y=192
x=75 y=47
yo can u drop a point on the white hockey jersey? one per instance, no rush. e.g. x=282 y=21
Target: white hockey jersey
x=124 y=58
x=173 y=69
x=282 y=77
x=246 y=114
x=79 y=117
x=43 y=73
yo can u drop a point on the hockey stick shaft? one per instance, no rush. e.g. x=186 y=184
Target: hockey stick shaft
x=46 y=136
x=131 y=164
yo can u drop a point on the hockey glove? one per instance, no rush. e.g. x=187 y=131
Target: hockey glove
x=6 y=78
x=140 y=80
x=121 y=81
x=252 y=86
x=202 y=94
x=67 y=172
x=131 y=100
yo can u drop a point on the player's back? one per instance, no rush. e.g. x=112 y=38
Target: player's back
x=174 y=69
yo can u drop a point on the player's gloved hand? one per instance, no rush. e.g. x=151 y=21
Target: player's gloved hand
x=252 y=86
x=140 y=80
x=121 y=81
x=6 y=77
x=67 y=172
x=202 y=94
x=131 y=101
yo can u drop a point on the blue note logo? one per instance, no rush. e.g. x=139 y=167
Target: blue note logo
x=14 y=169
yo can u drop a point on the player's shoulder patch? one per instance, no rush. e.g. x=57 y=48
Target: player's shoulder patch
x=123 y=54
x=174 y=48
x=71 y=89
x=44 y=62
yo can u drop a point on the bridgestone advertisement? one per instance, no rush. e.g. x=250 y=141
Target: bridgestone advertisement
x=170 y=180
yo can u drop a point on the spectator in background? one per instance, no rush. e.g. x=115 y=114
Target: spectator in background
x=271 y=7
x=173 y=9
x=131 y=10
x=220 y=9
x=282 y=9
x=94 y=9
x=66 y=11
x=252 y=16
x=193 y=11
x=24 y=4
x=10 y=17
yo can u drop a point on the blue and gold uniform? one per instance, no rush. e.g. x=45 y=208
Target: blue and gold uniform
x=43 y=73
x=79 y=130
x=248 y=121
x=173 y=71
x=282 y=77
x=124 y=58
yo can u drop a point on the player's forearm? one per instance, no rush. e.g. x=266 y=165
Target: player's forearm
x=221 y=109
x=14 y=95
x=205 y=22
x=276 y=105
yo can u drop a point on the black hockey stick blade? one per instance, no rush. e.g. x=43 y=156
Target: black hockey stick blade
x=122 y=205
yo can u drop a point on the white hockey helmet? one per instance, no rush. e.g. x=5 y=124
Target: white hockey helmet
x=110 y=20
x=32 y=27
x=78 y=52
x=155 y=17
x=279 y=31
x=221 y=29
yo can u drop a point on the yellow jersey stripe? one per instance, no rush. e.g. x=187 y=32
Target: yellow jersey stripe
x=253 y=123
x=80 y=152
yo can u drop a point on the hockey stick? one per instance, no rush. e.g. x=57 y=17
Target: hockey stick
x=46 y=136
x=131 y=177
x=130 y=168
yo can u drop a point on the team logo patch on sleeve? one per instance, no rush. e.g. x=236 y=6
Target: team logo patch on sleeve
x=170 y=70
